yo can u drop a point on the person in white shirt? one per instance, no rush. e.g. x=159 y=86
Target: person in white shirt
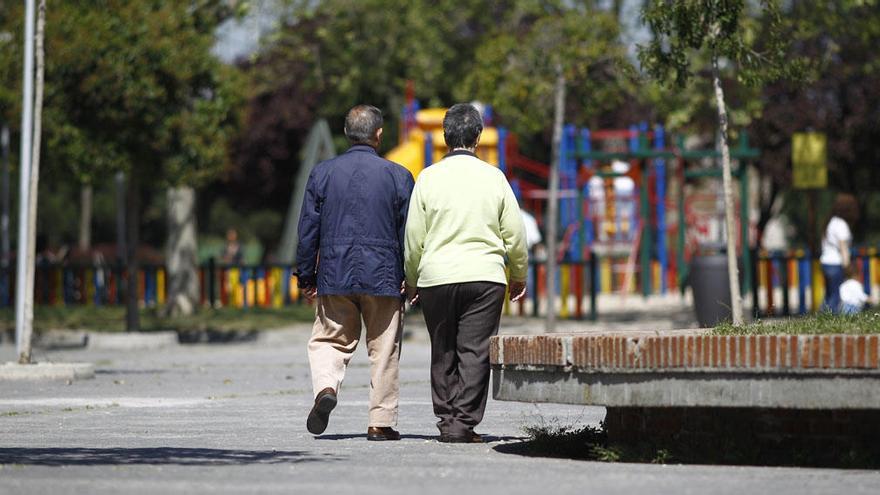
x=533 y=233
x=836 y=245
x=852 y=293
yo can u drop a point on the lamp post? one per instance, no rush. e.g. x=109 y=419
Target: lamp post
x=24 y=317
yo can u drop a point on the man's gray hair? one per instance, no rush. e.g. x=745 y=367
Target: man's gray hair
x=361 y=124
x=462 y=126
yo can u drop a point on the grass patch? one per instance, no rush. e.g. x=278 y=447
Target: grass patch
x=589 y=443
x=112 y=318
x=867 y=322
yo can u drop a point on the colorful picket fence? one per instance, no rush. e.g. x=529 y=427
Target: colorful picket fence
x=788 y=283
x=791 y=282
x=244 y=286
x=577 y=289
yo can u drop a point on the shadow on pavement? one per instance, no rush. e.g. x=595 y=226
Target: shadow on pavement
x=154 y=456
x=404 y=436
x=363 y=436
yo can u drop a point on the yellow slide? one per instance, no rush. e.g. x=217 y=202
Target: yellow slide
x=411 y=152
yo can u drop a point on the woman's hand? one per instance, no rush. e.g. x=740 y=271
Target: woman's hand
x=517 y=291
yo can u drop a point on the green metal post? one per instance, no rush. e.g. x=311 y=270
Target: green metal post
x=744 y=225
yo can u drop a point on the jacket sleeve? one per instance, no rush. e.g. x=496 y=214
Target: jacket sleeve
x=514 y=236
x=309 y=236
x=415 y=237
x=404 y=195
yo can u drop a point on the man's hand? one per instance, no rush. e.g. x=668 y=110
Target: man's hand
x=517 y=291
x=412 y=293
x=310 y=292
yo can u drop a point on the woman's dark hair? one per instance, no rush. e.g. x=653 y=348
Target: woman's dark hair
x=462 y=126
x=846 y=207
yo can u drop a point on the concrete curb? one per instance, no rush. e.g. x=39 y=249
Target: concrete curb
x=135 y=341
x=61 y=339
x=46 y=371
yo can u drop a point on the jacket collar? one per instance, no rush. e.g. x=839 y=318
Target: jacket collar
x=460 y=152
x=362 y=147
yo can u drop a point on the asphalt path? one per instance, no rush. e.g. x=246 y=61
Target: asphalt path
x=231 y=419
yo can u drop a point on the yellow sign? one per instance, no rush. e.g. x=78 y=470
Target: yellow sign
x=809 y=160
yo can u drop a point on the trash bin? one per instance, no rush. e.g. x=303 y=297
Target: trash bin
x=710 y=285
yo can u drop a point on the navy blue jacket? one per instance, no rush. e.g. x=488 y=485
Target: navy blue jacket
x=351 y=229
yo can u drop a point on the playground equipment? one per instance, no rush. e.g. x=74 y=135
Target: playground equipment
x=640 y=245
x=615 y=199
x=422 y=143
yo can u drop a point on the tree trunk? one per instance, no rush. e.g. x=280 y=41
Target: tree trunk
x=85 y=217
x=617 y=8
x=553 y=198
x=182 y=263
x=24 y=356
x=732 y=270
x=119 y=184
x=132 y=220
x=4 y=199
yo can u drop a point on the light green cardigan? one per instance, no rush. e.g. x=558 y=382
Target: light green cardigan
x=463 y=221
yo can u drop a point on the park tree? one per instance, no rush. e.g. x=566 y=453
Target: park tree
x=132 y=86
x=324 y=57
x=515 y=68
x=840 y=100
x=684 y=30
x=542 y=61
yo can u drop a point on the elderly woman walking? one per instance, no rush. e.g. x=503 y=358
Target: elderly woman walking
x=464 y=226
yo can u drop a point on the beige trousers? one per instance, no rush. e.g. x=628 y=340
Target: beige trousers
x=335 y=337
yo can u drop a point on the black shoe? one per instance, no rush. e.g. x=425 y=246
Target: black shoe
x=467 y=438
x=320 y=413
x=381 y=433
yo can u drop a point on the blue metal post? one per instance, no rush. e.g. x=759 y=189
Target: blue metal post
x=803 y=279
x=429 y=149
x=502 y=150
x=585 y=146
x=569 y=182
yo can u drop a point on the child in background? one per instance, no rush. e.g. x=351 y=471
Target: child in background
x=852 y=293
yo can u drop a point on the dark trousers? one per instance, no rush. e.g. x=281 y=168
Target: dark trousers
x=460 y=319
x=833 y=279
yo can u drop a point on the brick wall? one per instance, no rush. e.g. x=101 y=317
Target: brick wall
x=691 y=352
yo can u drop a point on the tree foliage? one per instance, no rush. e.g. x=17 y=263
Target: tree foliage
x=841 y=99
x=683 y=29
x=130 y=85
x=514 y=68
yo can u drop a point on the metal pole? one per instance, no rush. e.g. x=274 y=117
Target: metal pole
x=553 y=199
x=27 y=115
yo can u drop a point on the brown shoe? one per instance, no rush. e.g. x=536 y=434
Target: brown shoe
x=467 y=438
x=382 y=433
x=319 y=416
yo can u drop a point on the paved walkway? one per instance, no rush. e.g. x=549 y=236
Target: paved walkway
x=230 y=419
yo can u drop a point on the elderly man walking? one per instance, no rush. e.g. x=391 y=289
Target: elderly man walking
x=350 y=255
x=464 y=222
